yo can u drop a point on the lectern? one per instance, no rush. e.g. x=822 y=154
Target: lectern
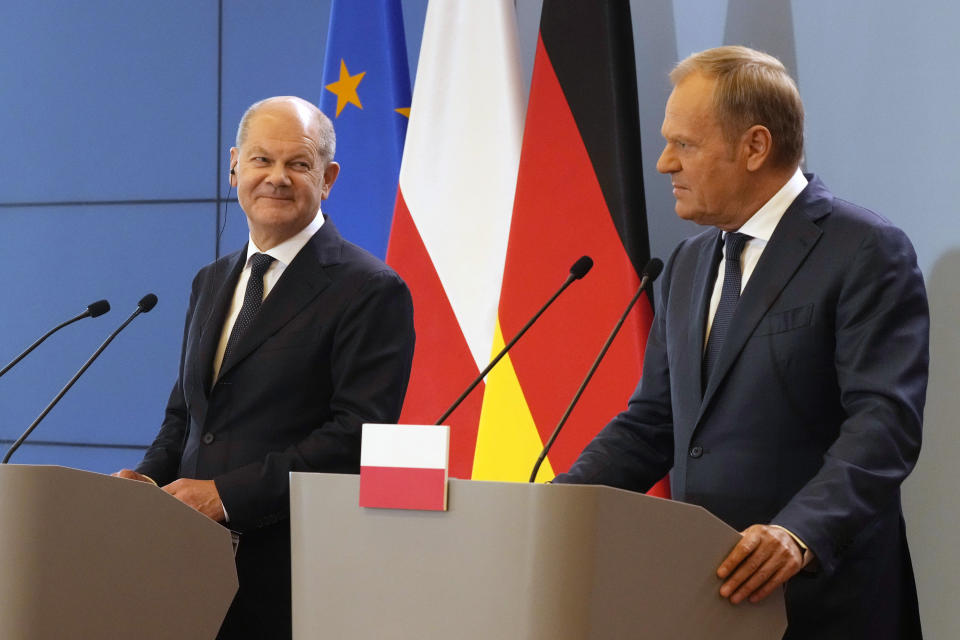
x=512 y=561
x=88 y=556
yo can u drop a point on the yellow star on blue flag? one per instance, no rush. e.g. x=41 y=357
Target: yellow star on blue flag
x=366 y=91
x=345 y=88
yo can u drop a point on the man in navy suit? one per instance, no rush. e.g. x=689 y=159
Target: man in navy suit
x=290 y=345
x=785 y=373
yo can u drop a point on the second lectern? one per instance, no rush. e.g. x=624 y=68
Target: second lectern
x=512 y=561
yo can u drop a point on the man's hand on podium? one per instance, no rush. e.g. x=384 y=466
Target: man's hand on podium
x=202 y=495
x=133 y=475
x=765 y=558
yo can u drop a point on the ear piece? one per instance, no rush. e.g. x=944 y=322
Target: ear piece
x=233 y=171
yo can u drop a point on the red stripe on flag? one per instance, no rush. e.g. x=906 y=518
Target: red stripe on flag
x=560 y=214
x=403 y=488
x=442 y=363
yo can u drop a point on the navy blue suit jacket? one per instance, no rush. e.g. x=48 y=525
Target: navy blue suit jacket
x=330 y=349
x=812 y=417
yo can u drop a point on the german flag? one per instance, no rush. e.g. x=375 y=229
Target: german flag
x=579 y=191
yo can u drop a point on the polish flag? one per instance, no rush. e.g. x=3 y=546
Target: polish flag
x=455 y=198
x=404 y=466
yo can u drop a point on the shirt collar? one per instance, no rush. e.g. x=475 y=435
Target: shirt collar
x=765 y=220
x=286 y=251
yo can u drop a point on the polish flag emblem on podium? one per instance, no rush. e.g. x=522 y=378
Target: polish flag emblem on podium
x=404 y=466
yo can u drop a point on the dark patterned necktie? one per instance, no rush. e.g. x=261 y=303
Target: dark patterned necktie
x=252 y=299
x=729 y=296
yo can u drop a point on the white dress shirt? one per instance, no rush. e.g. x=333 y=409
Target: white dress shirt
x=283 y=254
x=760 y=228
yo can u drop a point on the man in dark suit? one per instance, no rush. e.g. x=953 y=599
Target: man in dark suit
x=784 y=379
x=290 y=345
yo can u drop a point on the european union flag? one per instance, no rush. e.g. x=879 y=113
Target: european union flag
x=366 y=92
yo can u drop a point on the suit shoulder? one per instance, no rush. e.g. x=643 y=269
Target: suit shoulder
x=222 y=262
x=851 y=213
x=697 y=240
x=217 y=268
x=690 y=248
x=358 y=259
x=364 y=271
x=864 y=226
x=362 y=260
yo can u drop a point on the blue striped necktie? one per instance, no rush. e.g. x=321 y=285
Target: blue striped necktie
x=729 y=296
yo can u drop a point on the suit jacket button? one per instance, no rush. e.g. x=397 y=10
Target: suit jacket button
x=208 y=438
x=695 y=451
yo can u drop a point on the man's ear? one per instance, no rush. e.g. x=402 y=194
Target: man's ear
x=234 y=159
x=757 y=144
x=330 y=173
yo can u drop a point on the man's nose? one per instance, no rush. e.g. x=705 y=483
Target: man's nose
x=278 y=176
x=667 y=162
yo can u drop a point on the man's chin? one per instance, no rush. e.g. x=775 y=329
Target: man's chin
x=275 y=209
x=683 y=212
x=274 y=203
x=692 y=215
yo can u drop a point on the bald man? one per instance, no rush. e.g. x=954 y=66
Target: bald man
x=290 y=344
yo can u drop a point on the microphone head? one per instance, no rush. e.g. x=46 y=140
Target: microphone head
x=98 y=308
x=581 y=267
x=653 y=269
x=147 y=302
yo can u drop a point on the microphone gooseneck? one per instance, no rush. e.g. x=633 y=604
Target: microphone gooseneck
x=650 y=273
x=145 y=305
x=94 y=309
x=577 y=271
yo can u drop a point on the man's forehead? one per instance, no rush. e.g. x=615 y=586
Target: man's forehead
x=289 y=148
x=286 y=118
x=691 y=101
x=292 y=125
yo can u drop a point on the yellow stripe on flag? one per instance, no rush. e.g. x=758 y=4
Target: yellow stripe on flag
x=507 y=442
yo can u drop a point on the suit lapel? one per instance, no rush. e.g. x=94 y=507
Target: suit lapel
x=223 y=285
x=792 y=240
x=707 y=261
x=300 y=283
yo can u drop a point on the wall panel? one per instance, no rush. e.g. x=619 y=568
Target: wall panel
x=76 y=255
x=106 y=99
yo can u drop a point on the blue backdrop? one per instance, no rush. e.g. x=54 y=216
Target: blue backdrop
x=116 y=118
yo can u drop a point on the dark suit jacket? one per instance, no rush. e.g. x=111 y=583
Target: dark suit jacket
x=812 y=417
x=330 y=349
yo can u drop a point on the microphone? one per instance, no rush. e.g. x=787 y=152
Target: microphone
x=146 y=303
x=94 y=309
x=579 y=269
x=650 y=273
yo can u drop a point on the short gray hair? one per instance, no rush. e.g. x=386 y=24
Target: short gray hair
x=327 y=142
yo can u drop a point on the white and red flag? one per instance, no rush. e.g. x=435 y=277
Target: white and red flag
x=404 y=466
x=452 y=218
